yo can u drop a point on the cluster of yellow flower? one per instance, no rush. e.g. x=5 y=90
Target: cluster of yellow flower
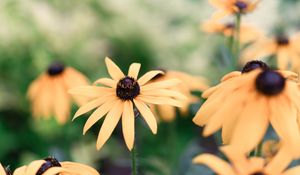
x=246 y=102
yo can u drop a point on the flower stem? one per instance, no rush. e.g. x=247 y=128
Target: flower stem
x=237 y=36
x=133 y=161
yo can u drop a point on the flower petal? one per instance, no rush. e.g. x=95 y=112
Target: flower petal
x=78 y=168
x=113 y=70
x=34 y=166
x=109 y=124
x=160 y=100
x=134 y=70
x=146 y=114
x=148 y=76
x=128 y=124
x=161 y=84
x=107 y=82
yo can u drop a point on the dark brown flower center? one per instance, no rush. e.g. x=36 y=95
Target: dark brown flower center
x=251 y=65
x=270 y=83
x=50 y=162
x=241 y=5
x=258 y=173
x=282 y=40
x=55 y=69
x=127 y=88
x=230 y=26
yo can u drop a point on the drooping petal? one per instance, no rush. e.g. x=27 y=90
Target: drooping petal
x=166 y=112
x=128 y=124
x=98 y=114
x=218 y=165
x=20 y=171
x=231 y=75
x=146 y=114
x=148 y=76
x=91 y=105
x=292 y=171
x=251 y=126
x=281 y=160
x=134 y=70
x=113 y=70
x=109 y=124
x=62 y=103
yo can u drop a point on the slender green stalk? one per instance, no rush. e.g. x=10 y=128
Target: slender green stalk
x=237 y=36
x=133 y=161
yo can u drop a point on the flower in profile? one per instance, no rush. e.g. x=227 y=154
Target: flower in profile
x=120 y=95
x=188 y=84
x=231 y=7
x=51 y=166
x=286 y=49
x=241 y=165
x=49 y=92
x=4 y=171
x=245 y=103
x=248 y=33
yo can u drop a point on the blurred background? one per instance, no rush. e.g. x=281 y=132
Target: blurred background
x=166 y=34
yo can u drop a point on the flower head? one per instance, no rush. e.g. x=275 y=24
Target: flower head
x=49 y=92
x=241 y=165
x=188 y=84
x=51 y=166
x=248 y=33
x=230 y=7
x=286 y=49
x=117 y=97
x=244 y=104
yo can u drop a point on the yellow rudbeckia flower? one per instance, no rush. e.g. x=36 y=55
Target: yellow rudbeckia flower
x=248 y=33
x=231 y=7
x=245 y=103
x=286 y=49
x=51 y=166
x=121 y=95
x=188 y=84
x=48 y=94
x=241 y=165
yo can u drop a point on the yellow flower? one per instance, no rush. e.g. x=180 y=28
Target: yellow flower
x=49 y=92
x=244 y=104
x=231 y=7
x=188 y=84
x=241 y=165
x=248 y=33
x=120 y=96
x=50 y=166
x=286 y=49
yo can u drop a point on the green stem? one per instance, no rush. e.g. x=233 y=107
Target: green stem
x=133 y=161
x=237 y=36
x=257 y=151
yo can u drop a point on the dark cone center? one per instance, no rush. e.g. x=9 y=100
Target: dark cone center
x=229 y=26
x=50 y=162
x=127 y=88
x=251 y=65
x=56 y=69
x=241 y=5
x=282 y=40
x=270 y=83
x=258 y=173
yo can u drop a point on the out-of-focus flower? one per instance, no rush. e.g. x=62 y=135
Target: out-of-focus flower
x=4 y=171
x=119 y=97
x=241 y=165
x=230 y=7
x=49 y=92
x=244 y=104
x=286 y=49
x=248 y=33
x=51 y=166
x=269 y=149
x=188 y=84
